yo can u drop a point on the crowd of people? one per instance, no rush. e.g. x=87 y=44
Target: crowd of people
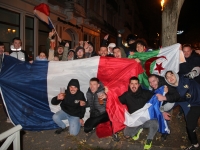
x=181 y=89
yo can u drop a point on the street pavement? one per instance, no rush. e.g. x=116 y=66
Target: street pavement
x=47 y=140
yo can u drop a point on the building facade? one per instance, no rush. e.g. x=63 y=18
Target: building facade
x=74 y=20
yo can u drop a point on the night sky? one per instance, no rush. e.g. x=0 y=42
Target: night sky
x=189 y=20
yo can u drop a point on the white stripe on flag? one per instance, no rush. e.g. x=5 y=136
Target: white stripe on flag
x=172 y=53
x=60 y=73
x=137 y=118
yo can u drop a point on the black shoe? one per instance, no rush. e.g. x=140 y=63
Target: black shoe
x=121 y=31
x=59 y=130
x=192 y=148
x=164 y=137
x=115 y=137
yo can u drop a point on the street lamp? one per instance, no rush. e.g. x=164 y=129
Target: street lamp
x=162 y=4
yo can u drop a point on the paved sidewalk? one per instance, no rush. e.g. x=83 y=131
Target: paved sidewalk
x=47 y=140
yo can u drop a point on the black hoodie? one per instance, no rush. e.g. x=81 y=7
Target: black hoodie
x=69 y=104
x=137 y=100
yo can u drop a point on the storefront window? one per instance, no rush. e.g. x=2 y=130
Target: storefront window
x=9 y=26
x=29 y=36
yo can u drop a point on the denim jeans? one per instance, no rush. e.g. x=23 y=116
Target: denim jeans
x=74 y=122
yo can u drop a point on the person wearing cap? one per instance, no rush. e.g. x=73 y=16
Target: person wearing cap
x=79 y=52
x=72 y=108
x=110 y=48
x=189 y=91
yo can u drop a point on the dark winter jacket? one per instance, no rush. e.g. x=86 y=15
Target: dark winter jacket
x=69 y=104
x=172 y=95
x=137 y=100
x=191 y=62
x=96 y=109
x=188 y=89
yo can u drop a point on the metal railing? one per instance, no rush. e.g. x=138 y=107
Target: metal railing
x=12 y=135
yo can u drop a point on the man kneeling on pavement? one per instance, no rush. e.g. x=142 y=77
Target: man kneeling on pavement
x=135 y=98
x=72 y=108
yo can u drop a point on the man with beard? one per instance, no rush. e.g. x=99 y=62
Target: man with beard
x=189 y=91
x=135 y=98
x=72 y=109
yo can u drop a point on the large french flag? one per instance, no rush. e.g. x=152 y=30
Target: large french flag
x=27 y=89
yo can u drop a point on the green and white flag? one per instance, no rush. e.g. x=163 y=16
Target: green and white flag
x=159 y=61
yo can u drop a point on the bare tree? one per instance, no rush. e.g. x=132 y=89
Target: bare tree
x=170 y=16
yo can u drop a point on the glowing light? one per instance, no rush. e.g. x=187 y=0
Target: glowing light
x=162 y=4
x=13 y=31
x=9 y=30
x=179 y=32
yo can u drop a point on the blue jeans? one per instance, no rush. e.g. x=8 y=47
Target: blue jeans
x=74 y=122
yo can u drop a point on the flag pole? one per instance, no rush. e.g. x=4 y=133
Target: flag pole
x=54 y=27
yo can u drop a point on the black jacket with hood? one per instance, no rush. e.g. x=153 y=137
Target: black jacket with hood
x=172 y=95
x=96 y=109
x=137 y=100
x=69 y=105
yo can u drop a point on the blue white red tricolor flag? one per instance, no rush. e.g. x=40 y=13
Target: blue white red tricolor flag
x=42 y=12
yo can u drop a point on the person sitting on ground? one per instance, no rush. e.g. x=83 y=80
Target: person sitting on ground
x=171 y=95
x=41 y=57
x=189 y=91
x=96 y=100
x=118 y=52
x=135 y=98
x=79 y=53
x=72 y=108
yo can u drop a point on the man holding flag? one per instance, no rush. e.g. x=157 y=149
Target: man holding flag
x=135 y=98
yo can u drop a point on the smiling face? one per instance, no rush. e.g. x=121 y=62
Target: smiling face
x=187 y=51
x=17 y=44
x=103 y=51
x=117 y=53
x=153 y=82
x=60 y=50
x=94 y=85
x=140 y=48
x=171 y=78
x=73 y=89
x=42 y=55
x=134 y=85
x=1 y=49
x=80 y=53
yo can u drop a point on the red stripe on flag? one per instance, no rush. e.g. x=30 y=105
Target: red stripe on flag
x=44 y=8
x=115 y=74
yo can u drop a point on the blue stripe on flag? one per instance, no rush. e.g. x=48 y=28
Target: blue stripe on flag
x=24 y=88
x=154 y=111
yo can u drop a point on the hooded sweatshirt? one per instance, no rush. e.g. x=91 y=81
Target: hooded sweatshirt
x=69 y=104
x=188 y=89
x=135 y=100
x=172 y=95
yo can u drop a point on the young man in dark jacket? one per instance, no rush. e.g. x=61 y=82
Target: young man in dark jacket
x=189 y=91
x=96 y=100
x=135 y=98
x=71 y=108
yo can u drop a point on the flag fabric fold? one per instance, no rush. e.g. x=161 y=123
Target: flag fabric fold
x=27 y=89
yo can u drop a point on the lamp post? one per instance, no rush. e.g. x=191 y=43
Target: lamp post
x=162 y=4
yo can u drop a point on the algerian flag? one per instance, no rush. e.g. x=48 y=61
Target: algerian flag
x=159 y=61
